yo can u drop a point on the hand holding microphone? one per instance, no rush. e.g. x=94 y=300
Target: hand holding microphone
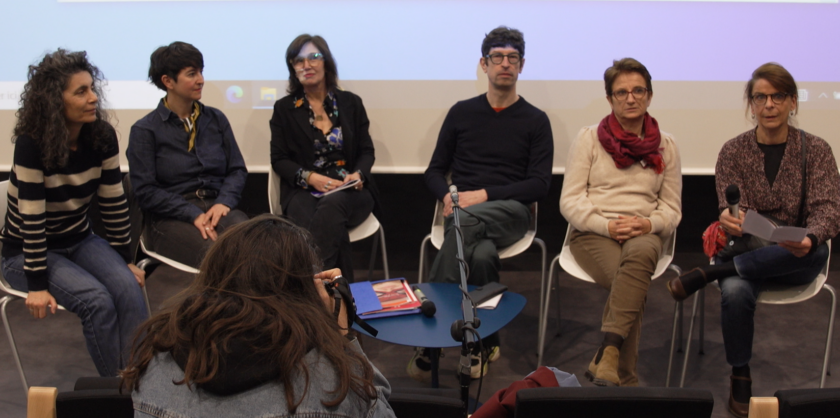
x=732 y=218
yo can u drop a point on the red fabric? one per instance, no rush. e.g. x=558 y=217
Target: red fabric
x=499 y=109
x=714 y=239
x=503 y=402
x=626 y=148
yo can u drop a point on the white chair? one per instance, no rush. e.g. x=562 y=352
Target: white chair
x=568 y=263
x=12 y=294
x=775 y=295
x=437 y=235
x=367 y=228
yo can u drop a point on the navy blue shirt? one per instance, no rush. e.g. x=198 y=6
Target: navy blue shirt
x=163 y=170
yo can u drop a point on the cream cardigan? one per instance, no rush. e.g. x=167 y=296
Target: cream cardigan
x=595 y=191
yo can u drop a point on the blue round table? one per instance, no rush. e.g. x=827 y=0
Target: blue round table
x=416 y=330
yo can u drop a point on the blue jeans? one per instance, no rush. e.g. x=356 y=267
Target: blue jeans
x=767 y=265
x=91 y=280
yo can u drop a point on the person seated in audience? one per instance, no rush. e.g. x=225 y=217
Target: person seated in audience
x=497 y=149
x=766 y=164
x=621 y=195
x=186 y=169
x=320 y=142
x=255 y=335
x=66 y=151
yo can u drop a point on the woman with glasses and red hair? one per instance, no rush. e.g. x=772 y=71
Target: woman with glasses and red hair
x=621 y=195
x=320 y=142
x=767 y=165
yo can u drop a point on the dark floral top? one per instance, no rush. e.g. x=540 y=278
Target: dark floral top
x=329 y=158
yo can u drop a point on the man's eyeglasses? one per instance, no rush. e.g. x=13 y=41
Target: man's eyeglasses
x=761 y=98
x=313 y=58
x=638 y=92
x=498 y=58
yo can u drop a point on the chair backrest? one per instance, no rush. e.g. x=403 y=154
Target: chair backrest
x=618 y=402
x=570 y=265
x=810 y=403
x=274 y=193
x=4 y=202
x=426 y=402
x=782 y=295
x=523 y=244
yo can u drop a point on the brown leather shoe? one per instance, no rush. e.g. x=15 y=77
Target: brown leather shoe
x=743 y=385
x=686 y=285
x=605 y=371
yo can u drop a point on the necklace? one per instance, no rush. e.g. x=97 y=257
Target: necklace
x=319 y=118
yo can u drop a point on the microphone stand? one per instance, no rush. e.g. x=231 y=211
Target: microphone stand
x=463 y=330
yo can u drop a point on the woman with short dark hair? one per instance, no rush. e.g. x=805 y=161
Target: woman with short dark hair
x=319 y=142
x=66 y=152
x=255 y=335
x=766 y=163
x=621 y=195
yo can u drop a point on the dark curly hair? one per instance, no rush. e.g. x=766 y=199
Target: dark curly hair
x=330 y=68
x=41 y=112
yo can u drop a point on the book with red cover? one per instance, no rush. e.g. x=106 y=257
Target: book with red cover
x=384 y=298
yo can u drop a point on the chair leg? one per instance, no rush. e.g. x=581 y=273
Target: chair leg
x=702 y=336
x=677 y=319
x=829 y=334
x=688 y=339
x=543 y=291
x=3 y=303
x=384 y=253
x=420 y=271
x=544 y=310
x=146 y=298
x=373 y=249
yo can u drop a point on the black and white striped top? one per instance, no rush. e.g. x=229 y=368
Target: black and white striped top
x=48 y=208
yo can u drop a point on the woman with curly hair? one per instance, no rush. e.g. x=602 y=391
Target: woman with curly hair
x=255 y=335
x=65 y=152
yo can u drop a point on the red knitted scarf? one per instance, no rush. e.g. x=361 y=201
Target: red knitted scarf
x=626 y=148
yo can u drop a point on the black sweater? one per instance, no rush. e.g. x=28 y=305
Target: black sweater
x=507 y=153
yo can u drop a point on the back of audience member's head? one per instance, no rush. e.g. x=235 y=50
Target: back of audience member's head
x=501 y=37
x=169 y=60
x=255 y=287
x=624 y=66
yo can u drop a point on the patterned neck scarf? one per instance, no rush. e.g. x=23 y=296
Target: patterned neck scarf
x=189 y=123
x=626 y=148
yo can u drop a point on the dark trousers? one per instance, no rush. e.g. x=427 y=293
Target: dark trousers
x=182 y=241
x=328 y=220
x=487 y=226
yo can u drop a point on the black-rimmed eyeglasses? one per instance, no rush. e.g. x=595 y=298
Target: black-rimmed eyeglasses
x=498 y=58
x=760 y=98
x=312 y=58
x=638 y=93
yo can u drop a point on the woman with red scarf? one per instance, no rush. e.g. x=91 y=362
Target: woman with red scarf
x=621 y=195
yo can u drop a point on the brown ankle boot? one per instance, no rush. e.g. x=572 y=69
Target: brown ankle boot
x=684 y=286
x=742 y=385
x=605 y=371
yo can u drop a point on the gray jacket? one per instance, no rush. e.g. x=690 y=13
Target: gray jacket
x=159 y=397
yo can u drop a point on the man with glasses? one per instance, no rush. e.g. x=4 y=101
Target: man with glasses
x=497 y=149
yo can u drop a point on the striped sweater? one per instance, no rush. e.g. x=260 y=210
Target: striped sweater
x=48 y=208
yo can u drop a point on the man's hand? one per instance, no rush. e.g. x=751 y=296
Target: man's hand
x=139 y=274
x=38 y=301
x=322 y=183
x=322 y=279
x=215 y=214
x=730 y=224
x=799 y=249
x=625 y=228
x=465 y=199
x=201 y=222
x=354 y=176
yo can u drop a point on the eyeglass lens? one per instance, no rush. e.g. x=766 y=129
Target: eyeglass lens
x=313 y=57
x=498 y=58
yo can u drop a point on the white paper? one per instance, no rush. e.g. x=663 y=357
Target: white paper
x=349 y=184
x=492 y=302
x=762 y=227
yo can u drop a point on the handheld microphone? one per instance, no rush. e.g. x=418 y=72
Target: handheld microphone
x=733 y=198
x=453 y=193
x=427 y=307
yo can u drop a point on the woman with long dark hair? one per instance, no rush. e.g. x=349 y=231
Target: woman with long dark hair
x=66 y=152
x=319 y=142
x=767 y=164
x=255 y=335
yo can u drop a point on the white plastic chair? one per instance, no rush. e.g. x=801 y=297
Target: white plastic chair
x=367 y=228
x=773 y=295
x=437 y=236
x=12 y=294
x=568 y=263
